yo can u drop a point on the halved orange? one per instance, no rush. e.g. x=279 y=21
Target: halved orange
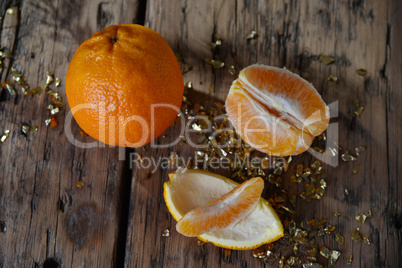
x=224 y=212
x=191 y=189
x=276 y=111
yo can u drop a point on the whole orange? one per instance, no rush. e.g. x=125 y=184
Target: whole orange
x=124 y=85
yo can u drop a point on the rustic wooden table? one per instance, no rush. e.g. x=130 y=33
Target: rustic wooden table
x=118 y=217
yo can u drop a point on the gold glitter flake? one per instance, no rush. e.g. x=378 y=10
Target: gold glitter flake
x=329 y=229
x=359 y=111
x=5 y=54
x=166 y=233
x=252 y=35
x=311 y=265
x=356 y=235
x=327 y=59
x=366 y=240
x=9 y=86
x=325 y=252
x=79 y=184
x=332 y=78
x=339 y=238
x=316 y=167
x=232 y=70
x=188 y=85
x=58 y=82
x=346 y=191
x=216 y=43
x=334 y=257
x=25 y=129
x=347 y=157
x=49 y=78
x=263 y=251
x=359 y=150
x=4 y=136
x=361 y=72
x=217 y=64
x=34 y=91
x=312 y=252
x=349 y=260
x=362 y=217
x=337 y=214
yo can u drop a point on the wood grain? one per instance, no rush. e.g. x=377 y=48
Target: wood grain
x=359 y=34
x=39 y=172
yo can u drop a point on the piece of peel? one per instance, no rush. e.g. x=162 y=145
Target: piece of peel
x=224 y=212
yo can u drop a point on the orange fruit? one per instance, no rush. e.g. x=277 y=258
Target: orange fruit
x=124 y=85
x=276 y=111
x=189 y=189
x=225 y=211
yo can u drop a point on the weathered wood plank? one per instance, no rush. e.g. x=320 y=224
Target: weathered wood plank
x=291 y=34
x=391 y=72
x=38 y=173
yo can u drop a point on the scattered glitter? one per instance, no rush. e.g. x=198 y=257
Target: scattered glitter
x=232 y=70
x=58 y=82
x=361 y=72
x=366 y=240
x=362 y=217
x=217 y=64
x=327 y=59
x=49 y=78
x=349 y=260
x=4 y=136
x=339 y=238
x=166 y=233
x=356 y=235
x=188 y=84
x=79 y=184
x=347 y=157
x=359 y=150
x=334 y=257
x=325 y=252
x=359 y=111
x=332 y=78
x=252 y=35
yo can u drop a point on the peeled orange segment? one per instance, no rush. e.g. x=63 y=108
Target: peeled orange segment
x=224 y=212
x=190 y=189
x=275 y=110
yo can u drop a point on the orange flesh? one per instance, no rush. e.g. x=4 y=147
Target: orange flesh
x=285 y=109
x=224 y=212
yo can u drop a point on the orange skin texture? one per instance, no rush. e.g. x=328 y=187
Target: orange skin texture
x=113 y=80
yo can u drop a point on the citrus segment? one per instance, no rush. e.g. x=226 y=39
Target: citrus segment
x=190 y=189
x=224 y=212
x=276 y=111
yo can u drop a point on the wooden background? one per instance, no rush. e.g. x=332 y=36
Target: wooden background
x=118 y=217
